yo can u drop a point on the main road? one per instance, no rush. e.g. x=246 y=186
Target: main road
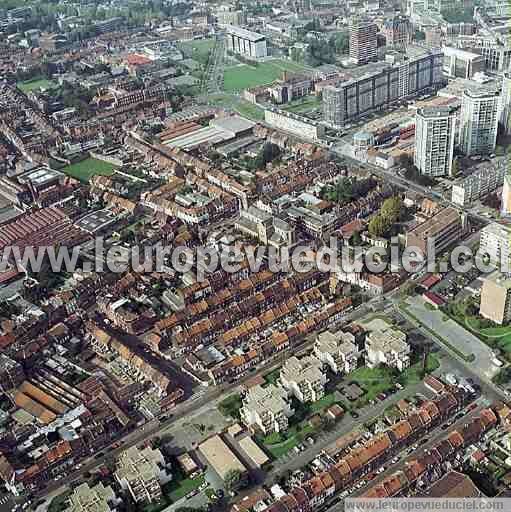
x=196 y=404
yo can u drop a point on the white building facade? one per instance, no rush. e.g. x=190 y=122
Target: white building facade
x=479 y=120
x=435 y=130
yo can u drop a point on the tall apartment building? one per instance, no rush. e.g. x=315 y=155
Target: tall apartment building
x=505 y=209
x=496 y=298
x=387 y=346
x=266 y=408
x=376 y=86
x=505 y=102
x=363 y=41
x=140 y=472
x=304 y=378
x=479 y=120
x=435 y=129
x=397 y=31
x=438 y=232
x=485 y=179
x=495 y=242
x=338 y=351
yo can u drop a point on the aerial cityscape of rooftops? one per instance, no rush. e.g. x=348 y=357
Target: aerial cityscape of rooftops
x=254 y=255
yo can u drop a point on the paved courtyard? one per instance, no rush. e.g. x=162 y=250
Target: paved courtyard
x=450 y=331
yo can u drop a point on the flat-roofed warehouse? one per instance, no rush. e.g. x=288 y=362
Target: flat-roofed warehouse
x=246 y=42
x=220 y=456
x=254 y=453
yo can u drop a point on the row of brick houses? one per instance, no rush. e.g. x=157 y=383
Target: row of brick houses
x=237 y=365
x=373 y=453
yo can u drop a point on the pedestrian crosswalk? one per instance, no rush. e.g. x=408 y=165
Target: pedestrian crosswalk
x=6 y=503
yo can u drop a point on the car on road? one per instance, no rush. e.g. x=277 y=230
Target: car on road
x=354 y=414
x=99 y=455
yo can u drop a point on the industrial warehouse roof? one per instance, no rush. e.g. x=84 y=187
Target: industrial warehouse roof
x=220 y=456
x=234 y=124
x=256 y=455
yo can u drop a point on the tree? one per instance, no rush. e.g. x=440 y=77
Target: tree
x=232 y=479
x=391 y=209
x=377 y=226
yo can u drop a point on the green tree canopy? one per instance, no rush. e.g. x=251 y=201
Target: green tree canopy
x=232 y=479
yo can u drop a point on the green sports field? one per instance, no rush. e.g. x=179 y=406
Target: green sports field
x=237 y=78
x=89 y=167
x=35 y=83
x=198 y=50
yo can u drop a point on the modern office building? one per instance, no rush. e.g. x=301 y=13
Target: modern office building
x=440 y=231
x=460 y=63
x=435 y=129
x=376 y=86
x=505 y=102
x=245 y=42
x=363 y=41
x=479 y=120
x=496 y=298
x=397 y=31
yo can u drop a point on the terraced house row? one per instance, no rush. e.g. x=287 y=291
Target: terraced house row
x=360 y=461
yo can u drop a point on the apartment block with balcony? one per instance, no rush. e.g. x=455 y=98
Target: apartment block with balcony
x=267 y=408
x=434 y=140
x=338 y=351
x=304 y=378
x=92 y=499
x=141 y=473
x=479 y=120
x=495 y=244
x=496 y=298
x=388 y=346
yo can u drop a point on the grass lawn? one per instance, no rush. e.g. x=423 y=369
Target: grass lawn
x=322 y=404
x=175 y=490
x=413 y=375
x=271 y=378
x=243 y=107
x=495 y=337
x=198 y=50
x=87 y=168
x=303 y=105
x=373 y=380
x=240 y=77
x=35 y=83
x=231 y=406
x=278 y=444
